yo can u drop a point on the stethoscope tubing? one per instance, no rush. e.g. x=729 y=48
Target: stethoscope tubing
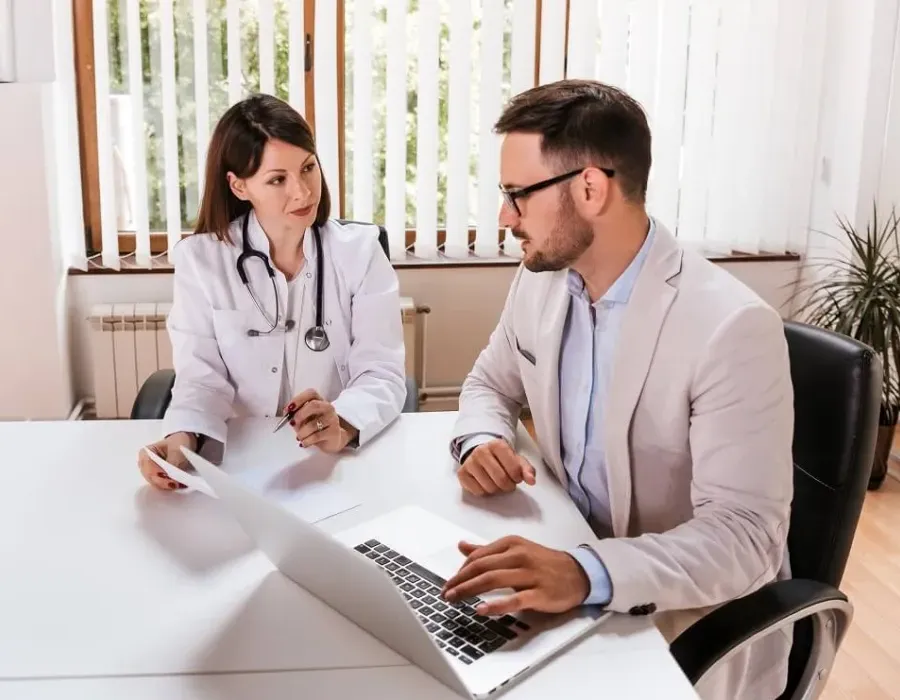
x=316 y=338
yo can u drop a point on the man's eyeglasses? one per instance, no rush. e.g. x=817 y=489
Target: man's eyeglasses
x=511 y=194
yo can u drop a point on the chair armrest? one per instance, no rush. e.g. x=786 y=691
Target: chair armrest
x=154 y=396
x=727 y=630
x=411 y=405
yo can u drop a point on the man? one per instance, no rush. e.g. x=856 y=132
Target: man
x=658 y=383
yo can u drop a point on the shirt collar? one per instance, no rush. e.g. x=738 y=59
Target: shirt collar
x=620 y=290
x=259 y=241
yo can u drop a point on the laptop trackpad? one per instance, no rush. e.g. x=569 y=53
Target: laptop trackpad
x=445 y=562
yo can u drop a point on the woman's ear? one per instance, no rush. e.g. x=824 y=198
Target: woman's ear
x=238 y=186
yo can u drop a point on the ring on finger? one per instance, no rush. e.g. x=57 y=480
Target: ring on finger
x=319 y=425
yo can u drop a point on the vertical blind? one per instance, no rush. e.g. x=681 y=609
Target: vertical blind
x=731 y=89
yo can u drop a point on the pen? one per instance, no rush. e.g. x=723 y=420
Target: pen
x=286 y=419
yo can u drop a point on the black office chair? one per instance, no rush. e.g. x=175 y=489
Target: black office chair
x=155 y=393
x=837 y=394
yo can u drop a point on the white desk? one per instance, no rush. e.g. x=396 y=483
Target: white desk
x=110 y=589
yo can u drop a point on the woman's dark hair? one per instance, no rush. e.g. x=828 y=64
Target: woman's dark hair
x=237 y=146
x=585 y=122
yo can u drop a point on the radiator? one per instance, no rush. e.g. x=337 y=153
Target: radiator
x=129 y=342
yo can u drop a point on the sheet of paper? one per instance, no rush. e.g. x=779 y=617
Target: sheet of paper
x=192 y=481
x=315 y=501
x=310 y=500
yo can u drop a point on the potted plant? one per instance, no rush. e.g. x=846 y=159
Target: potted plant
x=858 y=294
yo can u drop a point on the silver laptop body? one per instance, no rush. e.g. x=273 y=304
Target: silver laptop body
x=384 y=575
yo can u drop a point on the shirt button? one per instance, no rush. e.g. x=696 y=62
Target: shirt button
x=274 y=370
x=343 y=367
x=309 y=275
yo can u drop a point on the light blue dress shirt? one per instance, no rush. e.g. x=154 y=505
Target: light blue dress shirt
x=586 y=355
x=589 y=340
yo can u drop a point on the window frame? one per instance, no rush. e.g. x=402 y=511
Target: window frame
x=86 y=97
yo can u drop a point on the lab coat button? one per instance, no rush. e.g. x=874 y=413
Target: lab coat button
x=343 y=367
x=274 y=370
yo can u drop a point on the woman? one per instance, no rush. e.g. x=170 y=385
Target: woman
x=247 y=306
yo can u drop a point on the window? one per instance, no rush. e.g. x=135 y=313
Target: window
x=412 y=145
x=168 y=75
x=402 y=95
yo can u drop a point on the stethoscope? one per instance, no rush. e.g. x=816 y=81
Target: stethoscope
x=316 y=338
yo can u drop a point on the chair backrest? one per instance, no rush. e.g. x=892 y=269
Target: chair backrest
x=837 y=395
x=382 y=233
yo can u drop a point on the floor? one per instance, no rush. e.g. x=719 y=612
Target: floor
x=868 y=663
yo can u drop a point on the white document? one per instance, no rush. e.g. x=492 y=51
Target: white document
x=192 y=481
x=310 y=500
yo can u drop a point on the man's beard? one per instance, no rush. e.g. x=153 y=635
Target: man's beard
x=571 y=236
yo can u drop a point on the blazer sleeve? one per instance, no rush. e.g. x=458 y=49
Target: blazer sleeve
x=202 y=396
x=376 y=390
x=740 y=438
x=492 y=395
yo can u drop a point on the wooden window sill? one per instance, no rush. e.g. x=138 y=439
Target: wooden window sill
x=162 y=266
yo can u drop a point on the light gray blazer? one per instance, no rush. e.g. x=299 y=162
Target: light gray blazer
x=698 y=427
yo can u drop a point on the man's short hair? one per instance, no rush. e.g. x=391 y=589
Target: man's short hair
x=586 y=122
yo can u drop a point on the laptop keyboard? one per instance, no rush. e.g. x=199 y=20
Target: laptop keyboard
x=456 y=627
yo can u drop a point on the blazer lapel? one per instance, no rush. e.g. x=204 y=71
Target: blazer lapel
x=552 y=321
x=647 y=308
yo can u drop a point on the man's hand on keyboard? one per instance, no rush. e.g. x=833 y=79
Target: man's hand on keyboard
x=543 y=579
x=494 y=467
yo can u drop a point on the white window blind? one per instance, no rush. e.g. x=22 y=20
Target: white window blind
x=440 y=72
x=732 y=144
x=428 y=38
x=459 y=118
x=326 y=100
x=105 y=151
x=731 y=90
x=166 y=70
x=138 y=204
x=68 y=213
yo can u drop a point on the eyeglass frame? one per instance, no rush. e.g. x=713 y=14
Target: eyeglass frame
x=510 y=195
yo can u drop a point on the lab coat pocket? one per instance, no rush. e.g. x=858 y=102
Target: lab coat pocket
x=231 y=326
x=340 y=357
x=244 y=355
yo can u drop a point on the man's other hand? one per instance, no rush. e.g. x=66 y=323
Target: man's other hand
x=494 y=467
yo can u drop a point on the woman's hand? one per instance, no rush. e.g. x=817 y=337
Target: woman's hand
x=317 y=423
x=169 y=449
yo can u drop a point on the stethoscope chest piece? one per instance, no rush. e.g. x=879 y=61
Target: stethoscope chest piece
x=317 y=339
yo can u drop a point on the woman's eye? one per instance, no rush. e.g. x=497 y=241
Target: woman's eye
x=276 y=180
x=309 y=167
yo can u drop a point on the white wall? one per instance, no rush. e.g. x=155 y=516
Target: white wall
x=858 y=71
x=34 y=359
x=889 y=186
x=33 y=43
x=465 y=306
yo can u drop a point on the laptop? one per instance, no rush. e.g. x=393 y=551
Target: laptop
x=386 y=576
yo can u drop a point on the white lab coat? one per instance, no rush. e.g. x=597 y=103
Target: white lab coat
x=221 y=372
